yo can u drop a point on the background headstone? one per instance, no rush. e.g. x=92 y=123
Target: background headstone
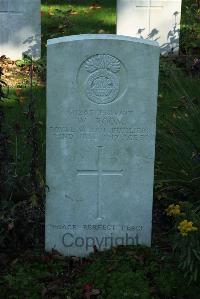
x=101 y=122
x=20 y=32
x=157 y=20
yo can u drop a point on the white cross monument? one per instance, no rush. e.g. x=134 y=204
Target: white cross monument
x=20 y=31
x=157 y=20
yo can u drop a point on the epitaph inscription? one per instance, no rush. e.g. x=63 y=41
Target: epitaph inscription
x=101 y=120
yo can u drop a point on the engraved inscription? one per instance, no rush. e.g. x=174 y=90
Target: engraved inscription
x=92 y=134
x=75 y=199
x=90 y=125
x=97 y=227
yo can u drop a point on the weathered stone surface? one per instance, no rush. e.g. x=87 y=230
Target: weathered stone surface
x=101 y=122
x=157 y=20
x=20 y=31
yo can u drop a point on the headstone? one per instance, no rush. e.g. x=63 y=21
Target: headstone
x=20 y=31
x=101 y=122
x=157 y=20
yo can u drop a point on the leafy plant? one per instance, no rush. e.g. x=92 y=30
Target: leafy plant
x=178 y=174
x=4 y=138
x=186 y=241
x=190 y=30
x=22 y=184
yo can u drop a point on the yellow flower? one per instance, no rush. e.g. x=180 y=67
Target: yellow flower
x=173 y=210
x=186 y=226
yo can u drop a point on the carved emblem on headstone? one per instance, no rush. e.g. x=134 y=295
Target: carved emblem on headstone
x=102 y=85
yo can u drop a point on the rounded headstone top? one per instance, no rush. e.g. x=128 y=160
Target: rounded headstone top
x=84 y=37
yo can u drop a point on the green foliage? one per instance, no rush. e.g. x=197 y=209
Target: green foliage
x=25 y=61
x=38 y=67
x=60 y=18
x=190 y=29
x=133 y=272
x=187 y=250
x=22 y=183
x=128 y=285
x=178 y=175
x=38 y=277
x=179 y=147
x=187 y=247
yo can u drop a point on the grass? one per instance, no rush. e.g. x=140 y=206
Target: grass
x=60 y=18
x=15 y=108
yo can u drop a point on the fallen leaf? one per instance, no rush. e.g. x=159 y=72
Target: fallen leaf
x=43 y=13
x=22 y=100
x=101 y=31
x=10 y=226
x=73 y=13
x=18 y=91
x=94 y=6
x=174 y=115
x=87 y=287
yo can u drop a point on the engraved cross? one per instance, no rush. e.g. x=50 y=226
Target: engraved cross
x=150 y=5
x=99 y=172
x=5 y=9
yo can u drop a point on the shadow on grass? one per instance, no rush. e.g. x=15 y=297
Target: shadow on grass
x=57 y=20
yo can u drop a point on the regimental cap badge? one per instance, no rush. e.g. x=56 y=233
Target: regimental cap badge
x=102 y=85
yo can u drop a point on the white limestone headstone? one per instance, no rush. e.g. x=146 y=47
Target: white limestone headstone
x=101 y=122
x=20 y=32
x=157 y=20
